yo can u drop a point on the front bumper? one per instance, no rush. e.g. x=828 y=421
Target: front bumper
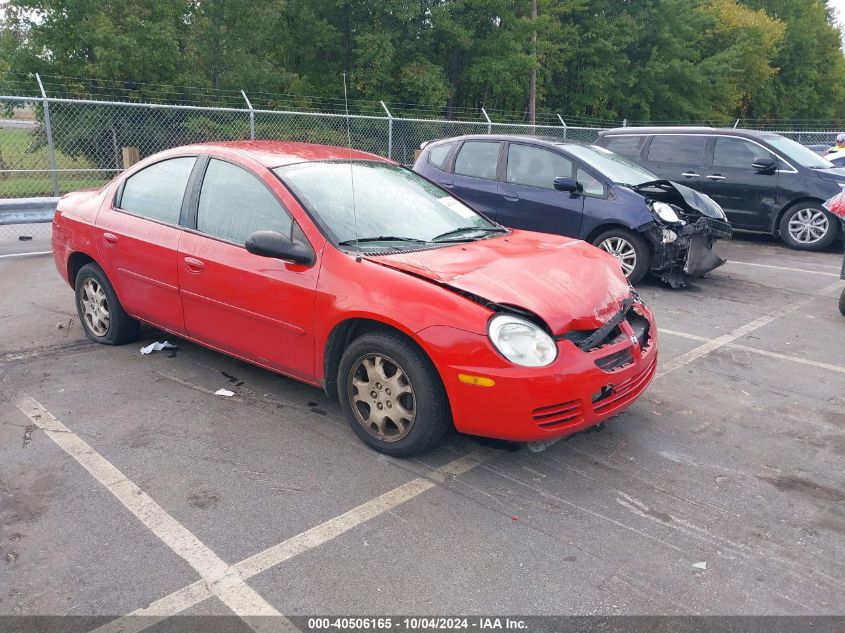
x=579 y=390
x=692 y=251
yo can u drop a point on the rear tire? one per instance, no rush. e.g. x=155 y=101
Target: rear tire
x=103 y=318
x=631 y=250
x=392 y=395
x=807 y=226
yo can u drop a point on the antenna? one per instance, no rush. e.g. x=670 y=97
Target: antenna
x=351 y=168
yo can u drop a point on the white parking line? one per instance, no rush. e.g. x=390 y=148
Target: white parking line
x=794 y=270
x=219 y=579
x=726 y=339
x=761 y=352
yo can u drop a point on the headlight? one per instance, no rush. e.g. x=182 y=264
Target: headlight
x=521 y=342
x=665 y=212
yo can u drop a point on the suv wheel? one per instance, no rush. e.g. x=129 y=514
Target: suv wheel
x=808 y=227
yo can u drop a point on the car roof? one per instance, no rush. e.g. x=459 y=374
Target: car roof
x=279 y=153
x=548 y=140
x=687 y=129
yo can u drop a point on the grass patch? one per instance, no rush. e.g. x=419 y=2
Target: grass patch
x=34 y=185
x=19 y=150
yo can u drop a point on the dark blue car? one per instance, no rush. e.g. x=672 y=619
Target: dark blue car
x=583 y=191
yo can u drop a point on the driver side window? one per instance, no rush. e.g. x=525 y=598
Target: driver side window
x=736 y=153
x=536 y=167
x=234 y=204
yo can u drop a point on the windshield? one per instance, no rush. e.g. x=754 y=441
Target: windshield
x=619 y=169
x=797 y=153
x=393 y=207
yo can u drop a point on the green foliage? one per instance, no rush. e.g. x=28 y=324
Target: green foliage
x=640 y=59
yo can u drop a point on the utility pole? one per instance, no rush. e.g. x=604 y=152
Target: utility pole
x=532 y=90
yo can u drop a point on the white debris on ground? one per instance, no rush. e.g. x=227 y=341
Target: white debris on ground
x=157 y=347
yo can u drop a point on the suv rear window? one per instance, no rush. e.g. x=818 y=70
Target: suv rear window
x=669 y=148
x=629 y=146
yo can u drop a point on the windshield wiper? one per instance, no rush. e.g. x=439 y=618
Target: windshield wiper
x=382 y=238
x=466 y=229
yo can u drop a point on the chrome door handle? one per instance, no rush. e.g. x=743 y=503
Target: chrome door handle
x=715 y=177
x=691 y=174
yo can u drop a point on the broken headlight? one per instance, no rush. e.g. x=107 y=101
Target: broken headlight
x=665 y=212
x=521 y=342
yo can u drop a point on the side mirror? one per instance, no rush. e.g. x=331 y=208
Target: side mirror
x=564 y=183
x=278 y=246
x=765 y=165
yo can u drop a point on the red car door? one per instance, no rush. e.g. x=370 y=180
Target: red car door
x=139 y=241
x=258 y=308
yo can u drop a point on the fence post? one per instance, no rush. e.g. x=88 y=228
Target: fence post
x=389 y=132
x=251 y=117
x=563 y=123
x=736 y=123
x=489 y=122
x=51 y=150
x=624 y=122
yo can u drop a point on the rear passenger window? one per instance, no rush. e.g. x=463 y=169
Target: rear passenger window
x=736 y=152
x=667 y=148
x=629 y=146
x=437 y=156
x=536 y=167
x=478 y=159
x=234 y=204
x=156 y=191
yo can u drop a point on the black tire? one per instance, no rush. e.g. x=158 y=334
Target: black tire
x=842 y=303
x=641 y=249
x=430 y=405
x=120 y=328
x=808 y=207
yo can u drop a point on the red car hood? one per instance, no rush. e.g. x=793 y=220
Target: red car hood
x=568 y=283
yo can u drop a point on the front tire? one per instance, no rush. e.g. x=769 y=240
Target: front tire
x=392 y=395
x=631 y=250
x=807 y=226
x=103 y=318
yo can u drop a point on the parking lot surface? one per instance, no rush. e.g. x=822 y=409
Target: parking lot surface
x=127 y=486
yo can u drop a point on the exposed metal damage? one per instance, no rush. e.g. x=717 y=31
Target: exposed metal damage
x=686 y=226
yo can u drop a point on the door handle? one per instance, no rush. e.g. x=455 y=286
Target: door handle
x=194 y=265
x=110 y=239
x=513 y=197
x=691 y=174
x=715 y=177
x=446 y=184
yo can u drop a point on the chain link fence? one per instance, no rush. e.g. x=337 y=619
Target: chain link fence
x=50 y=146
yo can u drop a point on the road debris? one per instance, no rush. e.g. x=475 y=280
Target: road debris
x=701 y=565
x=157 y=347
x=224 y=392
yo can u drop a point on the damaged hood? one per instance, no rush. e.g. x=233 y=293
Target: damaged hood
x=659 y=189
x=568 y=283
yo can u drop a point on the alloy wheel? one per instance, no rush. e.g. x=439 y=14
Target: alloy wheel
x=95 y=307
x=623 y=251
x=382 y=397
x=808 y=226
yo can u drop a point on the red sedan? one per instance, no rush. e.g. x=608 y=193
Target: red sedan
x=344 y=270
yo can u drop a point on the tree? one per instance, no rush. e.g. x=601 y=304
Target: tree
x=810 y=81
